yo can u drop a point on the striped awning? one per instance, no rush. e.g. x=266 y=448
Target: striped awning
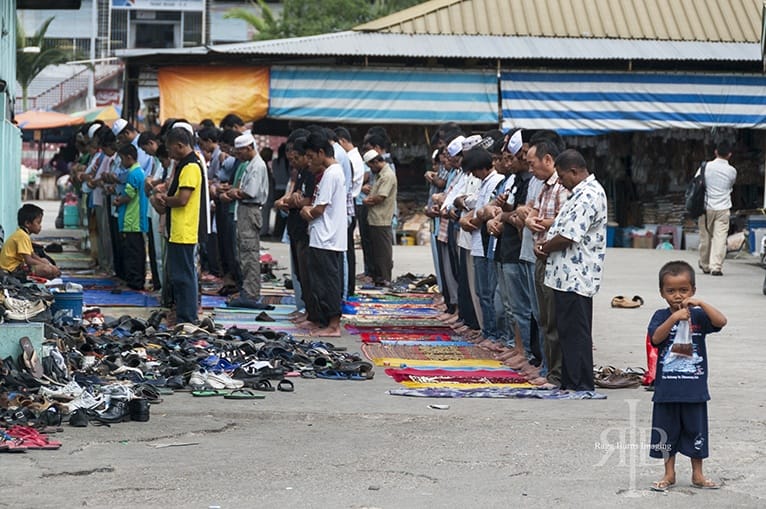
x=382 y=95
x=590 y=103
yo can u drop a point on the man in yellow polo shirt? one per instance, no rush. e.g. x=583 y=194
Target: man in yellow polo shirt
x=186 y=222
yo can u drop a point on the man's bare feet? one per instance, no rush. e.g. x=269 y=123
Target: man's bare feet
x=326 y=332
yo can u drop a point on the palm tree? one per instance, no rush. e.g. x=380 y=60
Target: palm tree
x=30 y=63
x=266 y=25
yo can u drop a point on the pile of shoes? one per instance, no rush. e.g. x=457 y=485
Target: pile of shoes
x=610 y=377
x=409 y=282
x=21 y=301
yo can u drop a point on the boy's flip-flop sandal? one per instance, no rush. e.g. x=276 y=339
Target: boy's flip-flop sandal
x=285 y=386
x=243 y=394
x=208 y=393
x=661 y=486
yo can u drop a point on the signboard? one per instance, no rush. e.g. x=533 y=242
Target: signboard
x=159 y=5
x=107 y=96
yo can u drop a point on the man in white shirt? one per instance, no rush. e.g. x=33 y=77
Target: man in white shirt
x=714 y=223
x=357 y=179
x=327 y=217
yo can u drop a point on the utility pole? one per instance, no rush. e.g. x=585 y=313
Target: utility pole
x=91 y=101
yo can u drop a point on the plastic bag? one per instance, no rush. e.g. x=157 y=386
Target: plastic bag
x=682 y=343
x=651 y=362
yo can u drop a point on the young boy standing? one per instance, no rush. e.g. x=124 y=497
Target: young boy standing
x=132 y=218
x=679 y=418
x=18 y=254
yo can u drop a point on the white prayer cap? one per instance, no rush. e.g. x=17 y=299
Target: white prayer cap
x=515 y=143
x=455 y=146
x=119 y=125
x=244 y=140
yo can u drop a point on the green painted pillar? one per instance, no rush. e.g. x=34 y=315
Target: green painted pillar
x=10 y=135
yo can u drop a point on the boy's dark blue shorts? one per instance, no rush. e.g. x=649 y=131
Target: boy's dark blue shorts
x=679 y=427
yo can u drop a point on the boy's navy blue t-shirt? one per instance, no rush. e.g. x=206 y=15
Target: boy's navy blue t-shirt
x=682 y=379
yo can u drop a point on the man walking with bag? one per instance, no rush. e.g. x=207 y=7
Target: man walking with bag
x=714 y=223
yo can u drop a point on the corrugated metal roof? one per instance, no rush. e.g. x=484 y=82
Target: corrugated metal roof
x=486 y=46
x=673 y=20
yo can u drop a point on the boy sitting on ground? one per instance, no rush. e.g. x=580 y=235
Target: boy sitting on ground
x=17 y=255
x=679 y=418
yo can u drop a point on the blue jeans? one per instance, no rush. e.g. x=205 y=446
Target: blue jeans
x=182 y=275
x=486 y=281
x=517 y=302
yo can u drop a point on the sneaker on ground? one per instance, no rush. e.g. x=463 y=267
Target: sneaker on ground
x=223 y=381
x=68 y=391
x=85 y=400
x=198 y=379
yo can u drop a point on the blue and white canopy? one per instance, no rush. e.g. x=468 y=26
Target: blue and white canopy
x=590 y=103
x=388 y=95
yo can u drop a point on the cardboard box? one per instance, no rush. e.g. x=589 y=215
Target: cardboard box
x=643 y=241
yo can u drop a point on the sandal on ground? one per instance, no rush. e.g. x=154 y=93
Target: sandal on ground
x=285 y=386
x=243 y=394
x=208 y=393
x=621 y=302
x=263 y=385
x=707 y=484
x=662 y=486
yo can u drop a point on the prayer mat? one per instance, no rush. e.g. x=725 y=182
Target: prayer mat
x=434 y=328
x=427 y=384
x=497 y=392
x=501 y=375
x=91 y=283
x=422 y=352
x=213 y=301
x=388 y=299
x=126 y=298
x=278 y=299
x=433 y=364
x=429 y=344
x=377 y=337
x=394 y=313
x=243 y=312
x=387 y=323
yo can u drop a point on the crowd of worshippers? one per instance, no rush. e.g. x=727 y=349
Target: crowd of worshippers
x=518 y=244
x=199 y=202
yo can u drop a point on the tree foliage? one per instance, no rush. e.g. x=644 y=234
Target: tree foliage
x=302 y=18
x=30 y=63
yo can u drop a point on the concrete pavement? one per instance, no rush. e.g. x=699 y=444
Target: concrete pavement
x=350 y=445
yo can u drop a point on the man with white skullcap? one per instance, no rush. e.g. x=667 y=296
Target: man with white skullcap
x=249 y=192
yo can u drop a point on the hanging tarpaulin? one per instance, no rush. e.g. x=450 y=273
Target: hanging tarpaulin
x=196 y=93
x=590 y=103
x=383 y=95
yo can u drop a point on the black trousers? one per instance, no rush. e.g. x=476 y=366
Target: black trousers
x=299 y=250
x=134 y=250
x=382 y=259
x=228 y=257
x=574 y=322
x=361 y=220
x=326 y=283
x=351 y=258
